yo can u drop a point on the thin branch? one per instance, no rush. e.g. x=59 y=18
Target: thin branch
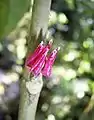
x=31 y=87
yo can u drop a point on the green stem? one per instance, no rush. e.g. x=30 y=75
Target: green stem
x=39 y=23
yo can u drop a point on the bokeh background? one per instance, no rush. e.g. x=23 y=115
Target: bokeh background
x=69 y=93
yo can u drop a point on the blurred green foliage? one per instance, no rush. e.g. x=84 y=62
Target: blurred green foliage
x=68 y=95
x=11 y=11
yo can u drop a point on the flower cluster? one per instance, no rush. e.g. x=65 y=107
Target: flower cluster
x=39 y=62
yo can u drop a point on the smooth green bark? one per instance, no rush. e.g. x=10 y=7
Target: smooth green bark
x=29 y=97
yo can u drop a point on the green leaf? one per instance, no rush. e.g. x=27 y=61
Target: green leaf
x=4 y=11
x=11 y=12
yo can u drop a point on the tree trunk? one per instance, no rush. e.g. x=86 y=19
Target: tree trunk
x=31 y=87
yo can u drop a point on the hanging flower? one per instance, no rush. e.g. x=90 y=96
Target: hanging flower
x=33 y=56
x=35 y=62
x=38 y=62
x=49 y=62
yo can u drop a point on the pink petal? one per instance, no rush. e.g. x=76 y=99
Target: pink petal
x=39 y=50
x=36 y=62
x=37 y=66
x=49 y=62
x=33 y=56
x=37 y=70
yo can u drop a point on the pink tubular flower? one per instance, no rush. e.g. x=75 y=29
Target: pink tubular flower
x=49 y=62
x=33 y=56
x=36 y=61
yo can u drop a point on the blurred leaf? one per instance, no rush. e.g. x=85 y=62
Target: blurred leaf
x=4 y=11
x=62 y=18
x=11 y=12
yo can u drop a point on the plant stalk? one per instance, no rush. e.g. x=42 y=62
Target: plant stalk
x=30 y=87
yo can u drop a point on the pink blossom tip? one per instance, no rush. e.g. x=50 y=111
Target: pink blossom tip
x=39 y=62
